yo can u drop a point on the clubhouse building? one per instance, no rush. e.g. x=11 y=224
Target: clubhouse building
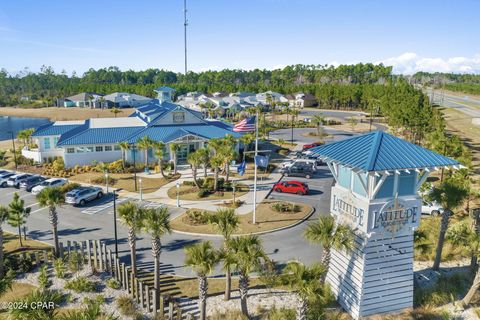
x=97 y=139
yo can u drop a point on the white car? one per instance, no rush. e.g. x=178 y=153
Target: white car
x=50 y=183
x=289 y=163
x=431 y=208
x=15 y=180
x=4 y=178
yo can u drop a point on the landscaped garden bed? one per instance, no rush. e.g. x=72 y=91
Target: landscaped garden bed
x=267 y=218
x=189 y=191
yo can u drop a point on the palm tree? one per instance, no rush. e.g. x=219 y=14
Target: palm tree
x=229 y=153
x=247 y=256
x=115 y=111
x=318 y=119
x=194 y=159
x=159 y=147
x=3 y=218
x=217 y=160
x=157 y=224
x=51 y=198
x=307 y=283
x=449 y=194
x=327 y=233
x=174 y=147
x=131 y=217
x=145 y=144
x=18 y=214
x=247 y=139
x=225 y=222
x=124 y=145
x=202 y=258
x=204 y=155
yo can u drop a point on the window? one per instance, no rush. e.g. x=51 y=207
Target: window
x=98 y=149
x=109 y=148
x=55 y=141
x=46 y=143
x=88 y=149
x=70 y=150
x=79 y=150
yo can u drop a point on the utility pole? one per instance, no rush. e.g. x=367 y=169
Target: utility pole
x=185 y=24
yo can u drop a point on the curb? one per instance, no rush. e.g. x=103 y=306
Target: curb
x=306 y=217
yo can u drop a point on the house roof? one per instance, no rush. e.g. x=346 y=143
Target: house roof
x=379 y=151
x=124 y=96
x=57 y=128
x=83 y=96
x=90 y=136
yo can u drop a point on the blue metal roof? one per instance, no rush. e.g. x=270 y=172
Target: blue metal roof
x=378 y=151
x=54 y=130
x=99 y=135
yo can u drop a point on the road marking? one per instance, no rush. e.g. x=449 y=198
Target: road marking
x=145 y=204
x=38 y=210
x=34 y=204
x=26 y=195
x=101 y=207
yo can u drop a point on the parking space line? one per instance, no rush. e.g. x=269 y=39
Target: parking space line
x=33 y=204
x=44 y=208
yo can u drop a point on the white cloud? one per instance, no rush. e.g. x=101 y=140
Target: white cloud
x=410 y=62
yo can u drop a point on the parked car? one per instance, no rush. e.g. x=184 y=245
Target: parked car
x=50 y=183
x=2 y=171
x=4 y=178
x=15 y=180
x=298 y=170
x=291 y=187
x=83 y=195
x=310 y=145
x=31 y=182
x=431 y=208
x=289 y=163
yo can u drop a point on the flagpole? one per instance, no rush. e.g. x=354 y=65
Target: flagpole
x=255 y=171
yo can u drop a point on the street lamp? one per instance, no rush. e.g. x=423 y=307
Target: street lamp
x=134 y=166
x=106 y=179
x=141 y=191
x=14 y=151
x=234 y=184
x=178 y=194
x=115 y=219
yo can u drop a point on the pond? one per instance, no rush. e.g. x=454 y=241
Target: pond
x=15 y=124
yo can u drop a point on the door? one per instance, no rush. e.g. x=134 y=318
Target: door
x=182 y=153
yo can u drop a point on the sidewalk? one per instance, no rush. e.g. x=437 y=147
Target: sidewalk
x=263 y=189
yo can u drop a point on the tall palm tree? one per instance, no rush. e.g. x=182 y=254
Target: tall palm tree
x=307 y=283
x=145 y=144
x=18 y=214
x=3 y=218
x=52 y=198
x=247 y=139
x=216 y=147
x=174 y=148
x=157 y=224
x=450 y=195
x=204 y=155
x=225 y=222
x=327 y=233
x=195 y=161
x=131 y=217
x=159 y=147
x=229 y=153
x=202 y=258
x=124 y=145
x=318 y=119
x=247 y=256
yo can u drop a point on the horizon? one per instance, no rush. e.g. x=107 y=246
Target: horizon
x=262 y=34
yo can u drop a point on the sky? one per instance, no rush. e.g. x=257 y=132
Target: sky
x=74 y=35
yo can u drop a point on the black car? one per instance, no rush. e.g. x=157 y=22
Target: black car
x=303 y=170
x=31 y=182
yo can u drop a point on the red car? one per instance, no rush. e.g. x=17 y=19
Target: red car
x=291 y=187
x=311 y=145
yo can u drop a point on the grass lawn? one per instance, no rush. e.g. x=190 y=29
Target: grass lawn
x=267 y=219
x=191 y=193
x=123 y=180
x=56 y=114
x=18 y=291
x=12 y=245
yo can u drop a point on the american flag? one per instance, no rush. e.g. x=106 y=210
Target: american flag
x=246 y=125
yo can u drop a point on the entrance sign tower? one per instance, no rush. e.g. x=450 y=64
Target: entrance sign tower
x=377 y=179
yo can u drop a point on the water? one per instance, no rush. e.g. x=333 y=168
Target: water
x=16 y=124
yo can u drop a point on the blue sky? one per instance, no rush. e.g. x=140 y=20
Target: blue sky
x=76 y=35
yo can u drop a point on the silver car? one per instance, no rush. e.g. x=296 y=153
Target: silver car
x=83 y=195
x=15 y=180
x=4 y=178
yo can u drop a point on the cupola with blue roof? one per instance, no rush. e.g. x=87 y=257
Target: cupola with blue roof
x=164 y=94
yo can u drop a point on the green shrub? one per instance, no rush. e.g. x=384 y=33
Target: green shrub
x=202 y=193
x=75 y=261
x=285 y=207
x=67 y=187
x=126 y=306
x=188 y=183
x=280 y=314
x=43 y=280
x=31 y=311
x=113 y=283
x=197 y=217
x=59 y=267
x=81 y=284
x=447 y=289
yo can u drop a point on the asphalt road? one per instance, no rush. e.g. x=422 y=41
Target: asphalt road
x=95 y=222
x=466 y=104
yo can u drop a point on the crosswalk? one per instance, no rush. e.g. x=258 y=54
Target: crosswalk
x=108 y=206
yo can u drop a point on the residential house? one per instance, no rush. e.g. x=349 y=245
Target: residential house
x=81 y=142
x=124 y=100
x=303 y=100
x=84 y=99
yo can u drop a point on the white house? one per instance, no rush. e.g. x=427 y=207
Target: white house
x=81 y=142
